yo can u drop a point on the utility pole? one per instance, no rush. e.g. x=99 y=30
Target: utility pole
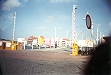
x=93 y=35
x=55 y=37
x=55 y=32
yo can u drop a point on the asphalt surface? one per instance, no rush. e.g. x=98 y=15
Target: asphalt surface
x=41 y=62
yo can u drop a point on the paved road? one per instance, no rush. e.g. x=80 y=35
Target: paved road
x=41 y=62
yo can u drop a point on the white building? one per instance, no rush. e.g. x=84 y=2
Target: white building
x=60 y=42
x=85 y=43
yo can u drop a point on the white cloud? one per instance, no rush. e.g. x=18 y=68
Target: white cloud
x=25 y=1
x=98 y=25
x=41 y=28
x=49 y=19
x=41 y=0
x=56 y=1
x=63 y=17
x=10 y=4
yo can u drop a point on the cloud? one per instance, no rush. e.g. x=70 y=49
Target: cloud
x=98 y=25
x=63 y=17
x=67 y=1
x=41 y=28
x=41 y=0
x=49 y=19
x=10 y=4
x=25 y=1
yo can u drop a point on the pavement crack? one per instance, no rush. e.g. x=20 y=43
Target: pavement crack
x=80 y=68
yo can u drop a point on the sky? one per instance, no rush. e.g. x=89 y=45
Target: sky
x=39 y=17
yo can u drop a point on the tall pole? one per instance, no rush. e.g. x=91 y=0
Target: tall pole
x=55 y=37
x=92 y=35
x=14 y=25
x=74 y=23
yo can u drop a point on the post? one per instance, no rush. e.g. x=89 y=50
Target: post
x=24 y=44
x=32 y=45
x=55 y=31
x=92 y=36
x=55 y=36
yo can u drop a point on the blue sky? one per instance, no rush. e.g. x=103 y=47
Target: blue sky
x=39 y=17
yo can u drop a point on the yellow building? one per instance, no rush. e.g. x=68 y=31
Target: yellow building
x=41 y=40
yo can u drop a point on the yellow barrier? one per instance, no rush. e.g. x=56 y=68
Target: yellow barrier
x=75 y=49
x=13 y=45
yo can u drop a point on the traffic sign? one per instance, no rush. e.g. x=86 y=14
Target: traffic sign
x=88 y=21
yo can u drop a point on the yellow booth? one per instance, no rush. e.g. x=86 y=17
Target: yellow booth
x=13 y=45
x=75 y=49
